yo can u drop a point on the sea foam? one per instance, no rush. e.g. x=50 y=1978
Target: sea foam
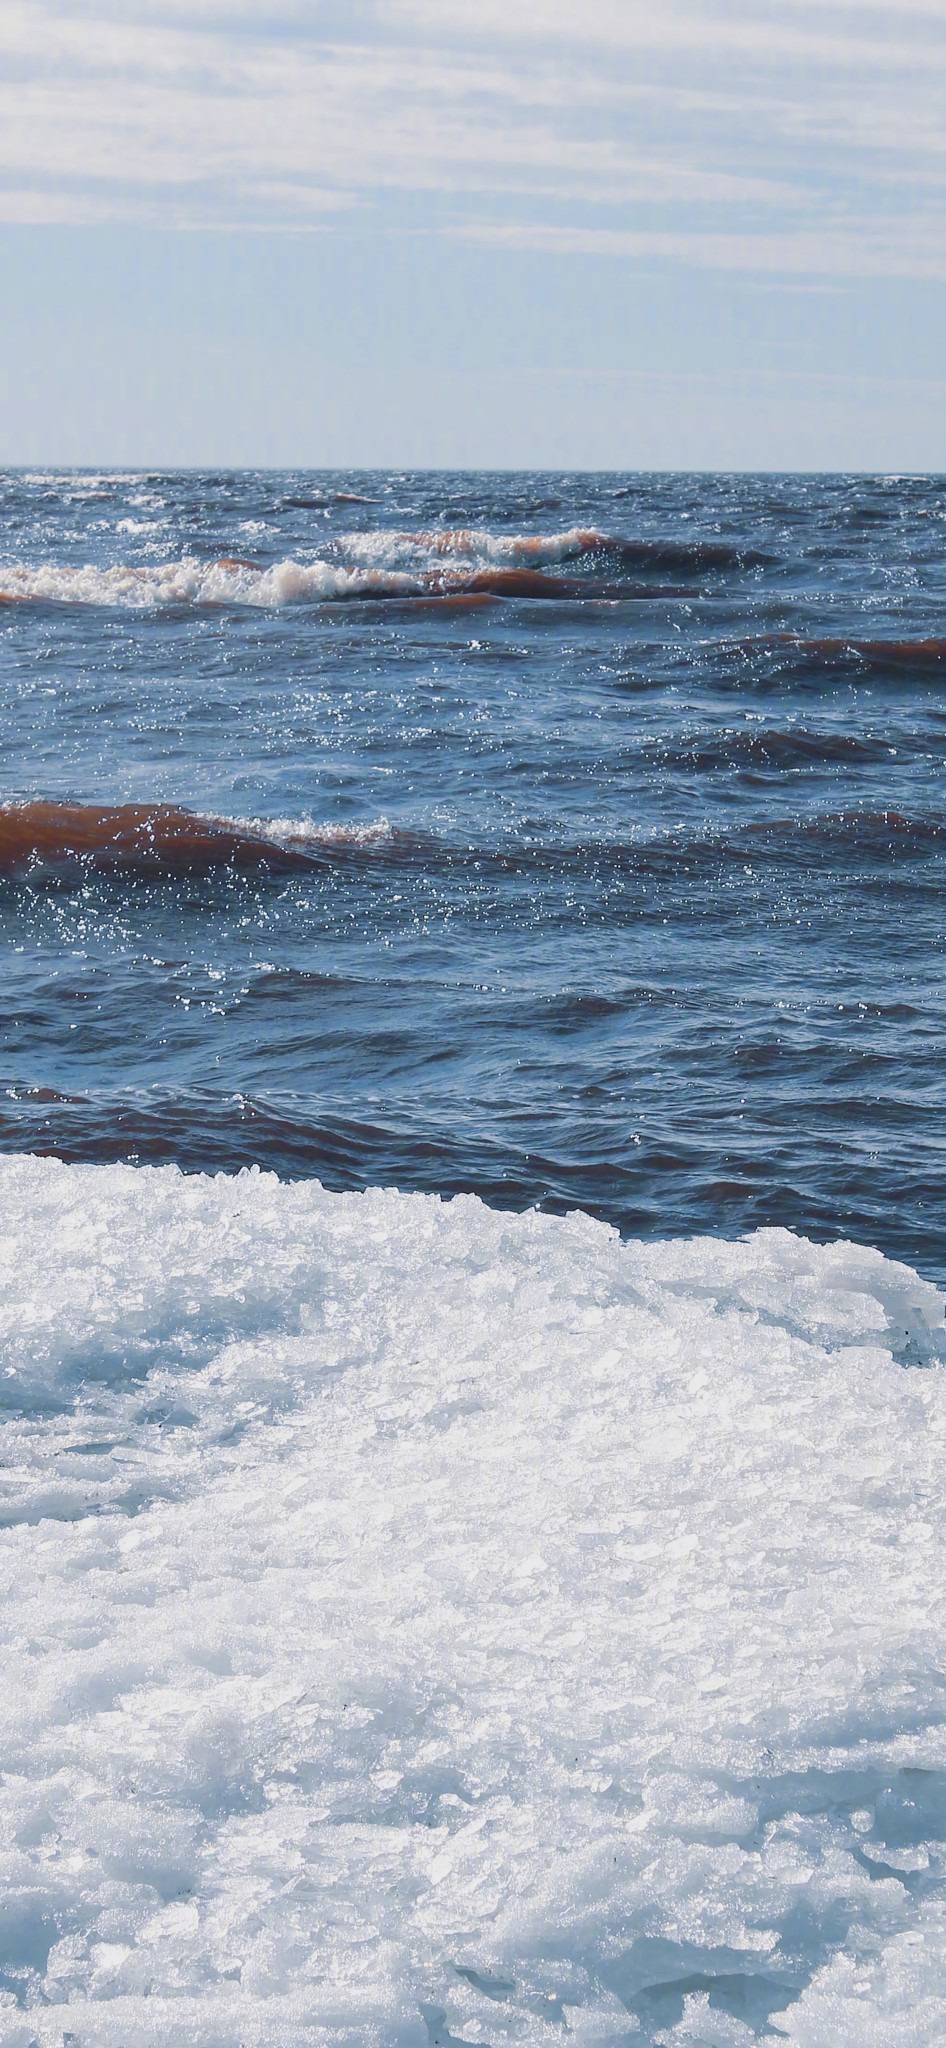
x=443 y=562
x=194 y=582
x=422 y=1624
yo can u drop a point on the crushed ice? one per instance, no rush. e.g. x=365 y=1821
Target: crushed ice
x=422 y=1624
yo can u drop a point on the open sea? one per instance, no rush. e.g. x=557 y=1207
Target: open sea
x=574 y=840
x=516 y=1617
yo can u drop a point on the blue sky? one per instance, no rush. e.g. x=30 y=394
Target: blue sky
x=686 y=233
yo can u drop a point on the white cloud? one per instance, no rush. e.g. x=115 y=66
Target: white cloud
x=845 y=33
x=806 y=136
x=827 y=251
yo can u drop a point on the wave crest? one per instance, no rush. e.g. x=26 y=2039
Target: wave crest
x=169 y=840
x=191 y=582
x=165 y=839
x=445 y=564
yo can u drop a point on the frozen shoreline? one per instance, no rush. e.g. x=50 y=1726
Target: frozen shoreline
x=425 y=1622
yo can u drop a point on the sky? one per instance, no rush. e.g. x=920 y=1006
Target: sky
x=699 y=234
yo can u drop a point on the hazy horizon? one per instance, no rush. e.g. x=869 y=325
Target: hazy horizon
x=446 y=469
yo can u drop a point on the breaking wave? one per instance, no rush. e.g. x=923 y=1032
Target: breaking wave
x=167 y=839
x=230 y=580
x=437 y=563
x=233 y=581
x=474 y=544
x=157 y=839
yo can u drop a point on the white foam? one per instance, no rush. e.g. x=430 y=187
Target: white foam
x=78 y=479
x=192 y=582
x=423 y=1624
x=472 y=545
x=288 y=832
x=379 y=564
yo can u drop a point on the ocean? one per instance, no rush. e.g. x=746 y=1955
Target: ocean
x=472 y=1173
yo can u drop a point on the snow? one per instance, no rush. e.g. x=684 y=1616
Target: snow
x=421 y=1624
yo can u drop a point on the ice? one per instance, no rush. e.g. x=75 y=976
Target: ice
x=422 y=1624
x=895 y=1996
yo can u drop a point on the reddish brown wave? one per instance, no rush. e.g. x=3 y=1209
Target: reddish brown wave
x=538 y=583
x=142 y=838
x=519 y=583
x=908 y=653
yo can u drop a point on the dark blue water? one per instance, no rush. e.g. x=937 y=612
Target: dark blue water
x=590 y=839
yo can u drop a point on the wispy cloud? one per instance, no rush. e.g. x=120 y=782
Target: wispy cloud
x=806 y=137
x=819 y=252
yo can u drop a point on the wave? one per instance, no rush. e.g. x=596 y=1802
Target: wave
x=876 y=834
x=691 y=556
x=857 y=830
x=444 y=563
x=828 y=652
x=773 y=747
x=867 y=829
x=321 y=503
x=475 y=545
x=234 y=580
x=164 y=839
x=229 y=580
x=167 y=839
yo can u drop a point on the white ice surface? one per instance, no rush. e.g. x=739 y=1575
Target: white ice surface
x=421 y=1624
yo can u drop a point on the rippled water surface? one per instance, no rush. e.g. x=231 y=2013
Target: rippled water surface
x=574 y=840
